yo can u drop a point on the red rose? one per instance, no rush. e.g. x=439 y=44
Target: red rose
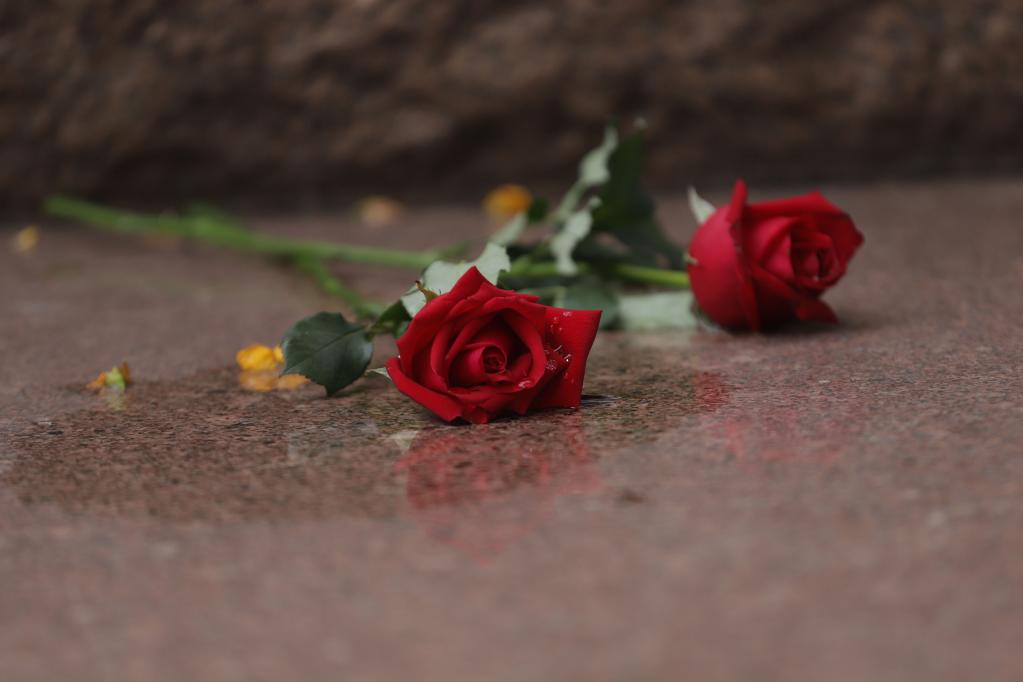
x=757 y=265
x=479 y=351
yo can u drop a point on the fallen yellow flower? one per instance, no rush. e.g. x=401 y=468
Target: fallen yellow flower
x=290 y=382
x=507 y=201
x=261 y=380
x=118 y=378
x=26 y=240
x=265 y=380
x=257 y=357
x=261 y=370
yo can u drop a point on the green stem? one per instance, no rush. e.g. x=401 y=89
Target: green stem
x=364 y=308
x=672 y=279
x=211 y=230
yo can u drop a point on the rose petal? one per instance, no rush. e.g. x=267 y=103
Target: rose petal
x=428 y=321
x=844 y=235
x=446 y=353
x=572 y=332
x=816 y=310
x=496 y=334
x=438 y=368
x=777 y=299
x=720 y=279
x=467 y=369
x=769 y=245
x=441 y=405
x=530 y=337
x=812 y=203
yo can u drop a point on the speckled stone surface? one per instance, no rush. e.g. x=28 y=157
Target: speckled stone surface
x=841 y=504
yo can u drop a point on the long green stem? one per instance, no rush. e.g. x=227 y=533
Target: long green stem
x=673 y=279
x=217 y=232
x=363 y=307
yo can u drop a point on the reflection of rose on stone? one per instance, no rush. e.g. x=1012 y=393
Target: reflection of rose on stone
x=467 y=491
x=774 y=436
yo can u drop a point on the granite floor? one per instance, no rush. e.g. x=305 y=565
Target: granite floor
x=844 y=504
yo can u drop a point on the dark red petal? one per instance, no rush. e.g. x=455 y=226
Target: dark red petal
x=776 y=299
x=467 y=369
x=720 y=280
x=572 y=332
x=441 y=405
x=428 y=321
x=846 y=238
x=737 y=205
x=443 y=356
x=437 y=367
x=816 y=310
x=769 y=245
x=533 y=312
x=533 y=341
x=812 y=203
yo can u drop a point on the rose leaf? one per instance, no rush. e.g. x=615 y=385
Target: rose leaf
x=394 y=321
x=575 y=229
x=441 y=276
x=593 y=171
x=662 y=310
x=628 y=213
x=328 y=350
x=701 y=208
x=511 y=230
x=590 y=294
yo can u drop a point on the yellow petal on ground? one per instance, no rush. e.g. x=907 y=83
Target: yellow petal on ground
x=118 y=378
x=125 y=371
x=98 y=383
x=507 y=201
x=379 y=211
x=265 y=380
x=26 y=240
x=261 y=380
x=257 y=357
x=289 y=382
x=279 y=355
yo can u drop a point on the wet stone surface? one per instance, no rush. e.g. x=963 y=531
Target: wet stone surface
x=200 y=448
x=840 y=504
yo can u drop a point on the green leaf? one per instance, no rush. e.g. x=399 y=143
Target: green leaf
x=591 y=294
x=627 y=211
x=441 y=276
x=328 y=350
x=382 y=371
x=575 y=229
x=701 y=208
x=537 y=210
x=394 y=321
x=593 y=171
x=510 y=231
x=513 y=229
x=665 y=310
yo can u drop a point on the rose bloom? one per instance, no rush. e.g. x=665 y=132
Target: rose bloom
x=479 y=351
x=754 y=266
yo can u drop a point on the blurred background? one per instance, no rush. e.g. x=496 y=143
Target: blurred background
x=295 y=102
